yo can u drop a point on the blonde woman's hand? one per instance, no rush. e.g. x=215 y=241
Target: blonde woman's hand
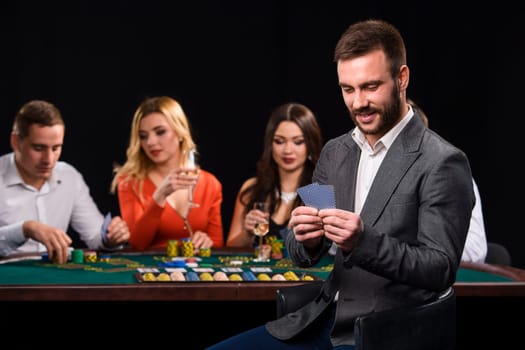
x=200 y=240
x=177 y=179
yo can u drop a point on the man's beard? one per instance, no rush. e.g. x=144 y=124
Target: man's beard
x=388 y=117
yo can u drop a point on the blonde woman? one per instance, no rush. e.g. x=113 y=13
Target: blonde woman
x=154 y=182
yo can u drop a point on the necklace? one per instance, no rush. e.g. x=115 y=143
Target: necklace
x=287 y=197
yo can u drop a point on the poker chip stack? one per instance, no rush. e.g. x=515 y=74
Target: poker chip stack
x=172 y=248
x=104 y=258
x=205 y=252
x=90 y=256
x=277 y=246
x=77 y=256
x=186 y=247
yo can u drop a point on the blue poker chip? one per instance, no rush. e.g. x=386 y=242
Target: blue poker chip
x=192 y=276
x=45 y=257
x=248 y=276
x=174 y=263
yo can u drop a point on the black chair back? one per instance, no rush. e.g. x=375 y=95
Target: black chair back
x=428 y=326
x=497 y=254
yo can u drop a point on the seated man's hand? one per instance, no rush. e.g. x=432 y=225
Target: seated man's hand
x=55 y=240
x=307 y=226
x=342 y=227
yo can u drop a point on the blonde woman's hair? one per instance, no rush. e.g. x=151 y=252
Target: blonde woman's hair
x=138 y=164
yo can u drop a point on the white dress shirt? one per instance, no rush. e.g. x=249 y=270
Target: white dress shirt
x=62 y=201
x=372 y=157
x=476 y=244
x=370 y=160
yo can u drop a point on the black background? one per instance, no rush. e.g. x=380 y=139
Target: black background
x=229 y=63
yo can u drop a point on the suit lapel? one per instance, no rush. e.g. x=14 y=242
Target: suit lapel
x=347 y=175
x=399 y=158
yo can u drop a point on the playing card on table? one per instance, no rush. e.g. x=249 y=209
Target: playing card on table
x=317 y=196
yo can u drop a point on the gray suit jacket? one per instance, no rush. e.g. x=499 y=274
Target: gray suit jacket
x=416 y=218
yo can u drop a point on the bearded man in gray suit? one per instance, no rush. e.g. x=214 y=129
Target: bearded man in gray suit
x=404 y=198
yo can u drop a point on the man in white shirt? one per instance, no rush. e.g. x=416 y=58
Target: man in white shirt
x=41 y=196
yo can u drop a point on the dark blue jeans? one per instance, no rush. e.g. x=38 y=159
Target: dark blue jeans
x=317 y=337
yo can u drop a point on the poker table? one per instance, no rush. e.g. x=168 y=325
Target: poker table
x=111 y=296
x=119 y=276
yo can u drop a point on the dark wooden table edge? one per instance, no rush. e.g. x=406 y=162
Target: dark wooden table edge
x=230 y=291
x=151 y=291
x=199 y=291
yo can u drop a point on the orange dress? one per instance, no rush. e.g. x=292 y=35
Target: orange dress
x=151 y=225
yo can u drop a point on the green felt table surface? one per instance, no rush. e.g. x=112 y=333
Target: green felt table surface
x=122 y=269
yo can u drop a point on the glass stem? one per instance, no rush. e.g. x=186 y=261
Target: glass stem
x=190 y=195
x=261 y=255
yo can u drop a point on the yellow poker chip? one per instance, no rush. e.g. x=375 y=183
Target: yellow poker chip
x=307 y=278
x=163 y=277
x=263 y=277
x=149 y=277
x=235 y=277
x=291 y=276
x=206 y=276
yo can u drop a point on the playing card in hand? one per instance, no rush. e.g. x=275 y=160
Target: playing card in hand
x=317 y=196
x=104 y=228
